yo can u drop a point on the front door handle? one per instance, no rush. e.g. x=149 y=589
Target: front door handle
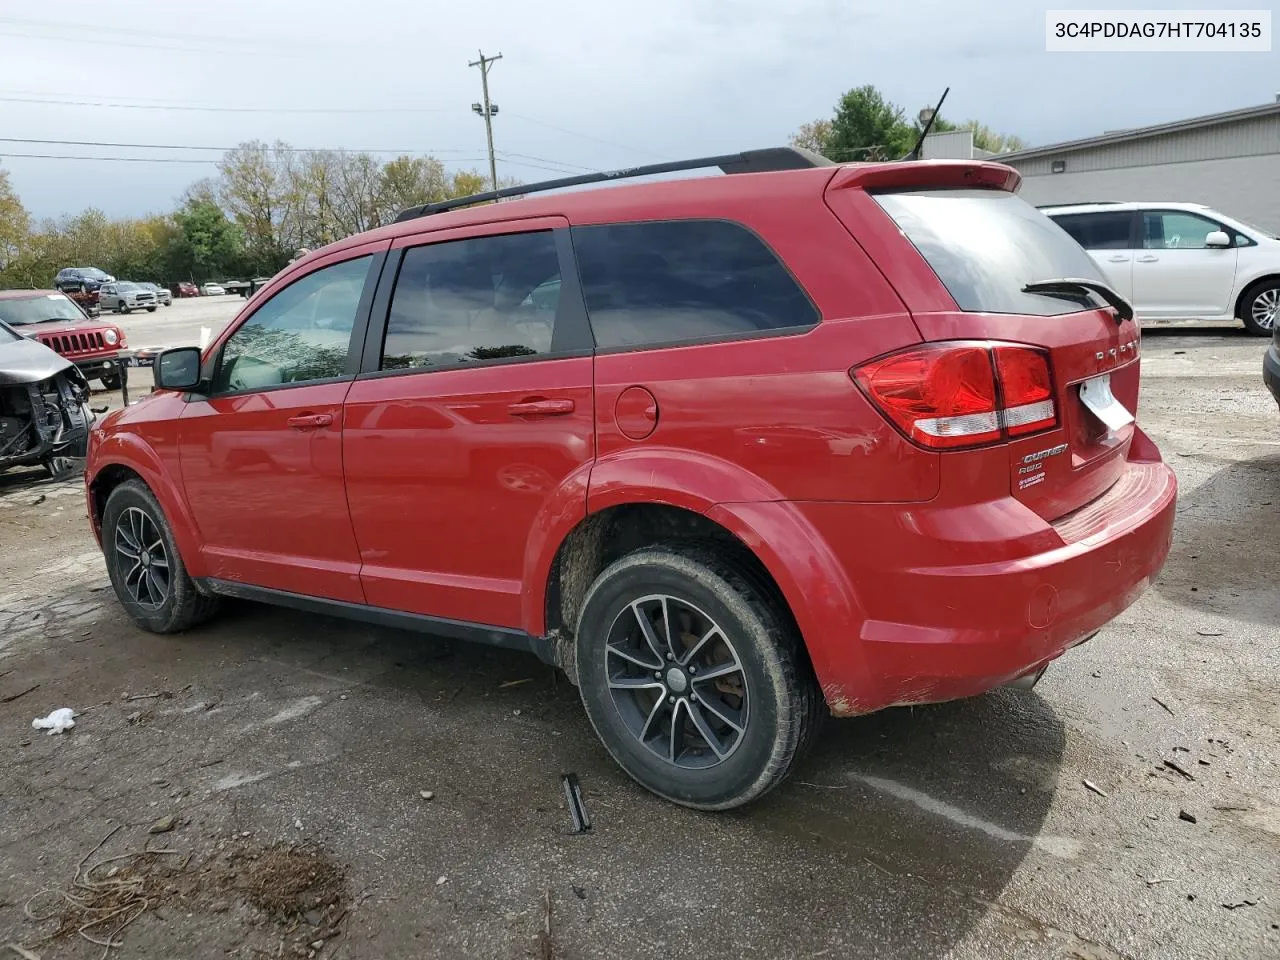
x=1117 y=259
x=1148 y=259
x=310 y=421
x=541 y=408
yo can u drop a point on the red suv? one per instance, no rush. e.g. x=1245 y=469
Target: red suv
x=728 y=450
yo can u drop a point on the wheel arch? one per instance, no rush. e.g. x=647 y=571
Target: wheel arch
x=1248 y=290
x=124 y=457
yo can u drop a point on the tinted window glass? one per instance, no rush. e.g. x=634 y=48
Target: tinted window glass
x=1176 y=231
x=466 y=300
x=650 y=283
x=986 y=245
x=302 y=333
x=46 y=306
x=1098 y=231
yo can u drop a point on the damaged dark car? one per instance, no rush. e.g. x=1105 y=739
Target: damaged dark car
x=44 y=406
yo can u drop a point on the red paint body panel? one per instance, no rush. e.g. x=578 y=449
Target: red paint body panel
x=913 y=575
x=269 y=500
x=446 y=483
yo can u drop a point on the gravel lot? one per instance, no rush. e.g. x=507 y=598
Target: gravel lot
x=962 y=831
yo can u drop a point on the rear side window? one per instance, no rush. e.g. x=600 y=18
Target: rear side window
x=986 y=245
x=647 y=284
x=1098 y=231
x=486 y=298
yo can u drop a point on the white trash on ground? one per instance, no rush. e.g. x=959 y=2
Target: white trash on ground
x=61 y=719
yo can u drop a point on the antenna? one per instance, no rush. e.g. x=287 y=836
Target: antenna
x=928 y=125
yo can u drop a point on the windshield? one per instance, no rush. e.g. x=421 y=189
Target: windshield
x=127 y=286
x=986 y=245
x=7 y=335
x=37 y=309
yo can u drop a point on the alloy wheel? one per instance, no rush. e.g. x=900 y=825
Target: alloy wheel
x=677 y=682
x=1266 y=308
x=142 y=558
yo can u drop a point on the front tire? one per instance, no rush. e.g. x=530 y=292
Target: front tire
x=1260 y=308
x=124 y=309
x=151 y=309
x=114 y=381
x=713 y=714
x=146 y=571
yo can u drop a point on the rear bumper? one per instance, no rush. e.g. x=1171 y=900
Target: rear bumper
x=932 y=629
x=1271 y=369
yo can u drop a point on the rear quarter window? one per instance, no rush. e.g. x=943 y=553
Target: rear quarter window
x=667 y=282
x=986 y=245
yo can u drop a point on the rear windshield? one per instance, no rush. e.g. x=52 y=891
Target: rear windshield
x=986 y=245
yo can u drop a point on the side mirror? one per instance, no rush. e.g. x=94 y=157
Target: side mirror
x=177 y=369
x=1217 y=239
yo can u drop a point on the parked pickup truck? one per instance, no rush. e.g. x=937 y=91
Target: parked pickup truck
x=246 y=288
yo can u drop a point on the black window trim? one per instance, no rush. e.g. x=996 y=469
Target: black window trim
x=1135 y=226
x=1229 y=230
x=358 y=332
x=791 y=331
x=571 y=336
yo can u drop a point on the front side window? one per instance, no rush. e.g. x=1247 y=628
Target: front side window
x=1176 y=231
x=666 y=282
x=301 y=334
x=462 y=301
x=1097 y=231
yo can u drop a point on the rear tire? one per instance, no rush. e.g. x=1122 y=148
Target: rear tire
x=1260 y=308
x=146 y=571
x=702 y=741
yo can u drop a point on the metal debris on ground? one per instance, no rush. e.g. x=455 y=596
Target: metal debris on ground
x=1089 y=784
x=426 y=795
x=1190 y=818
x=1177 y=769
x=514 y=683
x=1241 y=903
x=1209 y=633
x=1165 y=705
x=577 y=809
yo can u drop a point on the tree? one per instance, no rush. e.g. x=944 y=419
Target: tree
x=866 y=126
x=254 y=188
x=814 y=135
x=207 y=244
x=14 y=222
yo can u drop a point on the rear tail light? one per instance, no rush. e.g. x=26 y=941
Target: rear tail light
x=949 y=396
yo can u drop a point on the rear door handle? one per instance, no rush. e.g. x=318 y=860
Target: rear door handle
x=310 y=421
x=1148 y=259
x=541 y=408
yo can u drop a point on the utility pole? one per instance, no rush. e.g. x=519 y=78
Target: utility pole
x=487 y=109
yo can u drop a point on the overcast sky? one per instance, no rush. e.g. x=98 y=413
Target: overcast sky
x=582 y=83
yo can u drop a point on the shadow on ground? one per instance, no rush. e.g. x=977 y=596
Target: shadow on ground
x=1221 y=561
x=891 y=840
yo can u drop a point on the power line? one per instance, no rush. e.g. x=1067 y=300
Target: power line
x=61 y=27
x=189 y=107
x=162 y=47
x=216 y=160
x=586 y=136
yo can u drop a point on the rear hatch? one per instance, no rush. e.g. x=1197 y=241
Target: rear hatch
x=961 y=247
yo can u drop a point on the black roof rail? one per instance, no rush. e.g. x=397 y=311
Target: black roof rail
x=748 y=161
x=1080 y=203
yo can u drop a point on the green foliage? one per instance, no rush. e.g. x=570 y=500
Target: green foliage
x=866 y=126
x=265 y=203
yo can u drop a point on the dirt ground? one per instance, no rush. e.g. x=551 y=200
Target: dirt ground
x=279 y=785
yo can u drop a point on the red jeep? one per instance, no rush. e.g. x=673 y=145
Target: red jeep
x=728 y=450
x=95 y=346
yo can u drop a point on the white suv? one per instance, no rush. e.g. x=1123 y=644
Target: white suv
x=1180 y=261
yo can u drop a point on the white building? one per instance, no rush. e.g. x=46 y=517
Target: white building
x=1230 y=161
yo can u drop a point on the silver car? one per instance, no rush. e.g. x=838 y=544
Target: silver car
x=163 y=296
x=121 y=296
